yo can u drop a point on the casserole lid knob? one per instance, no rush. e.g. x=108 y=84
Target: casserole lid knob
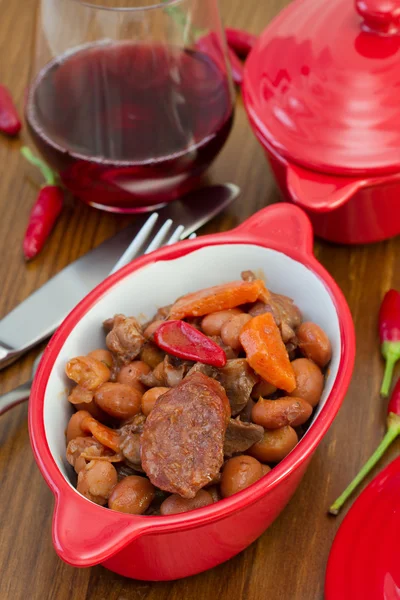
x=382 y=16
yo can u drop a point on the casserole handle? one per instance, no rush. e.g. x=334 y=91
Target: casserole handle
x=281 y=226
x=85 y=534
x=320 y=192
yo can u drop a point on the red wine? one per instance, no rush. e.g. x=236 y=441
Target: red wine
x=130 y=125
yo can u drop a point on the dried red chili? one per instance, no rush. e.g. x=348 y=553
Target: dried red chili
x=185 y=341
x=9 y=120
x=240 y=41
x=393 y=430
x=389 y=333
x=45 y=211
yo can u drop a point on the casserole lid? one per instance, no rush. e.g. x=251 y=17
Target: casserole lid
x=322 y=85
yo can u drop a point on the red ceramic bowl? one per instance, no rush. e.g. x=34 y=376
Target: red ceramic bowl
x=321 y=92
x=277 y=240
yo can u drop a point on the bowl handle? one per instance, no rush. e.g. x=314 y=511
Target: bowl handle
x=320 y=192
x=281 y=226
x=85 y=534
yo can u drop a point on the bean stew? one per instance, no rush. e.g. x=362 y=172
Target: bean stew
x=196 y=405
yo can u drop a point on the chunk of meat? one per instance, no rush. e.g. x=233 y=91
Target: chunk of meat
x=208 y=370
x=219 y=297
x=238 y=379
x=241 y=436
x=175 y=370
x=130 y=435
x=287 y=310
x=125 y=339
x=183 y=438
x=259 y=308
x=156 y=378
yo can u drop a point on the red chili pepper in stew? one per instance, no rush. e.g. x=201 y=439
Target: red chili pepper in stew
x=389 y=333
x=185 y=341
x=240 y=41
x=392 y=432
x=45 y=211
x=9 y=120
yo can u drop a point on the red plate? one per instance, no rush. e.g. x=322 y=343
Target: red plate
x=364 y=563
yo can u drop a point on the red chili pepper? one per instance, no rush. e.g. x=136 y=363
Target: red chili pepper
x=392 y=432
x=240 y=41
x=236 y=66
x=185 y=341
x=389 y=333
x=45 y=211
x=9 y=119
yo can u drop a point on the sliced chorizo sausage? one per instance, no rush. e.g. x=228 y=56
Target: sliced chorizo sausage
x=183 y=438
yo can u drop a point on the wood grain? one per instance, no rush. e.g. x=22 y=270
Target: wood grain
x=288 y=562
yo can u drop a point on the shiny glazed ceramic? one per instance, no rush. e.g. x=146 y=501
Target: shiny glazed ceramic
x=364 y=560
x=277 y=240
x=321 y=91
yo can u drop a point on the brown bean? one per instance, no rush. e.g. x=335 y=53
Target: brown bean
x=103 y=356
x=87 y=371
x=152 y=328
x=175 y=504
x=265 y=469
x=273 y=414
x=309 y=381
x=263 y=388
x=211 y=324
x=275 y=445
x=151 y=355
x=97 y=480
x=74 y=428
x=231 y=330
x=150 y=397
x=130 y=373
x=239 y=473
x=314 y=343
x=118 y=400
x=132 y=495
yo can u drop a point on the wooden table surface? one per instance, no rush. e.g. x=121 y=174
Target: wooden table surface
x=288 y=562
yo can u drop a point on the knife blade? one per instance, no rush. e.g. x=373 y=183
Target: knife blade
x=37 y=317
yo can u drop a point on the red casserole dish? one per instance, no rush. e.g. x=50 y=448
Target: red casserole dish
x=321 y=91
x=278 y=240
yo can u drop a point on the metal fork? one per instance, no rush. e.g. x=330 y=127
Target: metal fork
x=141 y=244
x=160 y=239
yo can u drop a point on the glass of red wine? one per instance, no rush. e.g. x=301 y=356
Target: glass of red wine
x=130 y=100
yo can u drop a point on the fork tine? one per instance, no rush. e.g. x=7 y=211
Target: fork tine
x=176 y=236
x=137 y=243
x=159 y=238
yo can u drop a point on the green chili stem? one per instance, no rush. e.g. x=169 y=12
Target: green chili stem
x=391 y=434
x=48 y=174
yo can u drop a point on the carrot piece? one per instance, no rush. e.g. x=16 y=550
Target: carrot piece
x=266 y=352
x=219 y=297
x=106 y=436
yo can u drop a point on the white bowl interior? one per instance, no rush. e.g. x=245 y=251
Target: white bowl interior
x=142 y=292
